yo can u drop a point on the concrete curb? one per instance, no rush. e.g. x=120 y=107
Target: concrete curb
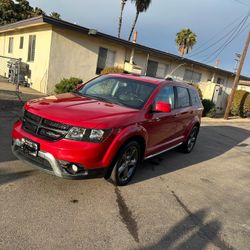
x=221 y=120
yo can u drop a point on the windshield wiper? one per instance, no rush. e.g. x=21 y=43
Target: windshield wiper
x=99 y=98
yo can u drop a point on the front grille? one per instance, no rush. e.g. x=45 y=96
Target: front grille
x=44 y=128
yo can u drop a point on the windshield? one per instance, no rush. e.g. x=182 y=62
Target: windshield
x=118 y=90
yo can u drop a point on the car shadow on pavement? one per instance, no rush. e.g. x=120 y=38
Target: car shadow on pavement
x=6 y=178
x=212 y=142
x=192 y=231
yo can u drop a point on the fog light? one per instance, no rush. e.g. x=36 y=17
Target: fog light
x=74 y=168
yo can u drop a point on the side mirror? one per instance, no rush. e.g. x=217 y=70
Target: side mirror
x=164 y=107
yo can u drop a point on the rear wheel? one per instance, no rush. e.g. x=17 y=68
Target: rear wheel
x=188 y=146
x=126 y=162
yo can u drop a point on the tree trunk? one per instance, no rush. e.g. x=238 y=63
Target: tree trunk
x=120 y=19
x=133 y=27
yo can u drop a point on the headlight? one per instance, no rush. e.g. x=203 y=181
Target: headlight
x=76 y=133
x=89 y=135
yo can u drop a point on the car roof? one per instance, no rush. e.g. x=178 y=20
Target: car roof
x=152 y=80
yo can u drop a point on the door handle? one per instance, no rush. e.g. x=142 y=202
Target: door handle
x=157 y=119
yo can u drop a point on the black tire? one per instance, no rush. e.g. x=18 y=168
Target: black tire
x=126 y=163
x=188 y=146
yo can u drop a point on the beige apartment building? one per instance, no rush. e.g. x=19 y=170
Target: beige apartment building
x=54 y=49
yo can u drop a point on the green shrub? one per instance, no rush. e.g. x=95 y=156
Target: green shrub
x=211 y=113
x=238 y=103
x=246 y=106
x=67 y=85
x=198 y=89
x=209 y=108
x=112 y=70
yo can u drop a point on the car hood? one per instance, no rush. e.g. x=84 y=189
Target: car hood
x=81 y=111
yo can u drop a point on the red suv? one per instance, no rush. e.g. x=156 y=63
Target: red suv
x=107 y=126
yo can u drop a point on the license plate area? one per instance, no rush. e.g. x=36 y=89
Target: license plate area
x=30 y=147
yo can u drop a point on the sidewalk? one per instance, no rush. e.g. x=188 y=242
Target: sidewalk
x=222 y=120
x=6 y=86
x=10 y=99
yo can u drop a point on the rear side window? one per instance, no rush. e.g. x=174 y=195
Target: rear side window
x=183 y=99
x=195 y=99
x=166 y=94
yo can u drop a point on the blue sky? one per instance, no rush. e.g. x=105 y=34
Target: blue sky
x=158 y=26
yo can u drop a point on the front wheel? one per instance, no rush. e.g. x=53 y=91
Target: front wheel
x=126 y=163
x=188 y=146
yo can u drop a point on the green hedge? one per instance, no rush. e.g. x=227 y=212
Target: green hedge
x=112 y=70
x=67 y=85
x=237 y=108
x=246 y=106
x=209 y=108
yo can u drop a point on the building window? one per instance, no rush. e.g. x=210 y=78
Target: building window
x=11 y=44
x=106 y=58
x=21 y=42
x=162 y=70
x=156 y=69
x=152 y=68
x=220 y=80
x=32 y=48
x=192 y=76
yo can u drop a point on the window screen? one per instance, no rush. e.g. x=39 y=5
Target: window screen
x=162 y=70
x=32 y=48
x=192 y=76
x=152 y=68
x=11 y=43
x=106 y=58
x=182 y=97
x=21 y=42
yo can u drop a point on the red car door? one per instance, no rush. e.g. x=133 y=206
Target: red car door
x=184 y=111
x=161 y=127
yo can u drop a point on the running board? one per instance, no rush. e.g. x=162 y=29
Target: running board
x=150 y=156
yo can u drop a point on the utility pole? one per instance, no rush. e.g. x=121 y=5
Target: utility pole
x=237 y=77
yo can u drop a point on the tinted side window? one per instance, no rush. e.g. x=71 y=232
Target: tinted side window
x=195 y=99
x=166 y=94
x=182 y=97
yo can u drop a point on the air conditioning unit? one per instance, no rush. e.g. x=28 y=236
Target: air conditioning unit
x=133 y=68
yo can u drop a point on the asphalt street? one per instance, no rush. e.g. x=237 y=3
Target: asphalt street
x=176 y=201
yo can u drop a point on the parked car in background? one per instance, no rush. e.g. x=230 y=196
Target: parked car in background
x=108 y=126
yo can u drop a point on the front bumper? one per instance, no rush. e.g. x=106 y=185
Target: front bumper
x=46 y=162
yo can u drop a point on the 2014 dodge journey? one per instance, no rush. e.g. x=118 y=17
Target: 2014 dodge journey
x=108 y=126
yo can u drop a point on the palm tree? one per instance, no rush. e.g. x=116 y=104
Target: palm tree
x=185 y=40
x=141 y=6
x=55 y=15
x=123 y=2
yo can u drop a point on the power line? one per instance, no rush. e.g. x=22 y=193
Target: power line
x=215 y=35
x=241 y=2
x=223 y=46
x=227 y=35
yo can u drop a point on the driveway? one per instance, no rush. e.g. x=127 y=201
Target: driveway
x=176 y=201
